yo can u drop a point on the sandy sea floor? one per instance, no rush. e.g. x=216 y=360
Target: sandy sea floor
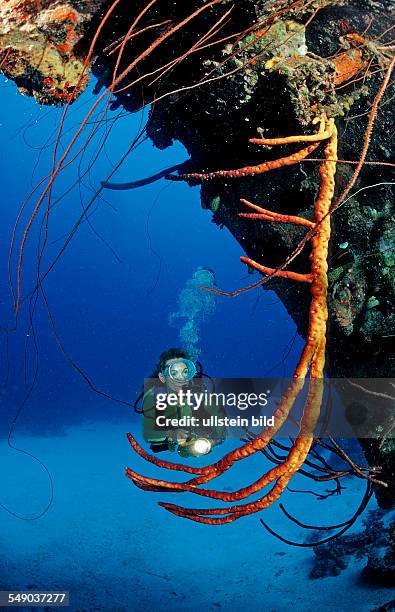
x=115 y=549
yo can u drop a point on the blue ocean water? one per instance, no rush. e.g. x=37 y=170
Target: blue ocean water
x=100 y=320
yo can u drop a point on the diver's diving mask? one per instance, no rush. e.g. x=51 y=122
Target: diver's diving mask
x=180 y=370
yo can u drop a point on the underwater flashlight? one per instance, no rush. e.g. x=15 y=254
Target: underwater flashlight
x=197 y=447
x=200 y=446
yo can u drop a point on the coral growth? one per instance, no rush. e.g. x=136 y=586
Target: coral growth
x=38 y=47
x=376 y=543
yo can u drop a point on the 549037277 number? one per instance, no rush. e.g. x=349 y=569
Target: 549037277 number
x=34 y=598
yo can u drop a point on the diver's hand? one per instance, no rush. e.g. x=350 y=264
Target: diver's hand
x=179 y=435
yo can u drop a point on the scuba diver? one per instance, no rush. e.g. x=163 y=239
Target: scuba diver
x=176 y=372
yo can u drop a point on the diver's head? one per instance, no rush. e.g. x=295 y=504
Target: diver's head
x=177 y=372
x=170 y=353
x=175 y=368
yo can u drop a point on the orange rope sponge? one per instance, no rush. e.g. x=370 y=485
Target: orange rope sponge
x=312 y=358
